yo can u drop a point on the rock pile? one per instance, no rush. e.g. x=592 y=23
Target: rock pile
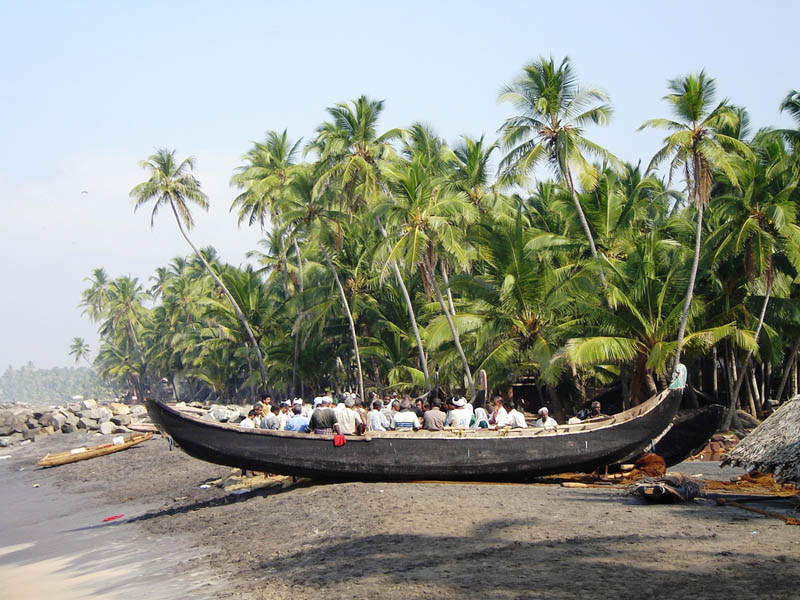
x=20 y=422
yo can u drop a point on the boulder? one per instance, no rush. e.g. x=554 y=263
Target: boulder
x=138 y=410
x=119 y=429
x=85 y=423
x=12 y=423
x=89 y=404
x=104 y=414
x=54 y=420
x=73 y=407
x=107 y=427
x=31 y=434
x=47 y=430
x=69 y=427
x=119 y=409
x=121 y=420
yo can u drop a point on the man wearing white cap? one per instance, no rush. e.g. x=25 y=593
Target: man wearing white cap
x=460 y=416
x=545 y=420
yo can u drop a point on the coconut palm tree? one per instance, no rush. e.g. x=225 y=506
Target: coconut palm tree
x=554 y=111
x=697 y=146
x=759 y=225
x=94 y=298
x=431 y=220
x=353 y=153
x=80 y=350
x=172 y=184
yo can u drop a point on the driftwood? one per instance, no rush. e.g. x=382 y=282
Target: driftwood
x=673 y=487
x=71 y=456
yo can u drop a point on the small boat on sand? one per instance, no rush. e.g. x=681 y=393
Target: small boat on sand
x=689 y=434
x=455 y=455
x=76 y=454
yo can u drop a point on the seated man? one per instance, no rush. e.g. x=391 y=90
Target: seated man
x=405 y=419
x=499 y=414
x=250 y=421
x=349 y=420
x=270 y=419
x=595 y=412
x=284 y=414
x=514 y=418
x=434 y=419
x=323 y=419
x=298 y=421
x=460 y=417
x=376 y=420
x=545 y=420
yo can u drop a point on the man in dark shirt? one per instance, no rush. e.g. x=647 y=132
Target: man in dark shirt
x=433 y=419
x=323 y=419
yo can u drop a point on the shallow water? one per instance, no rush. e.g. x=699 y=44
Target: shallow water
x=57 y=547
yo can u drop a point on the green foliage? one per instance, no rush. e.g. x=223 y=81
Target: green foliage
x=390 y=255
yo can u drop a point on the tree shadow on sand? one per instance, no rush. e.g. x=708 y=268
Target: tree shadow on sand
x=482 y=563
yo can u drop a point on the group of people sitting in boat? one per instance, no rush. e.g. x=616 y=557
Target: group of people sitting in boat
x=349 y=416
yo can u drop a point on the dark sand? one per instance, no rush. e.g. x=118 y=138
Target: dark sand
x=387 y=540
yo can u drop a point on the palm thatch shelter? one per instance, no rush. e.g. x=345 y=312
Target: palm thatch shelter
x=774 y=446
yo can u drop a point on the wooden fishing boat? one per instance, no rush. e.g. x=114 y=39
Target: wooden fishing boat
x=71 y=456
x=458 y=455
x=689 y=434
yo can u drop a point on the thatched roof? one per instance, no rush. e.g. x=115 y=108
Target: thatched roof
x=774 y=446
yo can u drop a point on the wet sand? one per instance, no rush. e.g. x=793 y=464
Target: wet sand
x=392 y=540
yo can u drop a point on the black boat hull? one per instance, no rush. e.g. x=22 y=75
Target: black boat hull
x=474 y=455
x=689 y=434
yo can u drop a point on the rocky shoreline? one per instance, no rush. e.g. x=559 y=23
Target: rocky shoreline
x=21 y=423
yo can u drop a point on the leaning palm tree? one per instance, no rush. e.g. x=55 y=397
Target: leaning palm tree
x=172 y=184
x=697 y=146
x=554 y=111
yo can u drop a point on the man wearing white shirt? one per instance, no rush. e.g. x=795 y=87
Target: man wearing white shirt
x=460 y=417
x=545 y=420
x=515 y=419
x=349 y=420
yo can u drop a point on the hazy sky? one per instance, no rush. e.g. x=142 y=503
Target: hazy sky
x=88 y=89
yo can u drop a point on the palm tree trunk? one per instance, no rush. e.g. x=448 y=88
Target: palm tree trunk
x=297 y=321
x=423 y=360
x=582 y=217
x=446 y=280
x=346 y=305
x=754 y=395
x=714 y=377
x=456 y=340
x=743 y=373
x=690 y=288
x=787 y=369
x=261 y=366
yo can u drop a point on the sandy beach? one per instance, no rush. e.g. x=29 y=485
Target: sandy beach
x=362 y=540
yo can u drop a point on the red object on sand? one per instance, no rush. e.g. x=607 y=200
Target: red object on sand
x=339 y=440
x=112 y=518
